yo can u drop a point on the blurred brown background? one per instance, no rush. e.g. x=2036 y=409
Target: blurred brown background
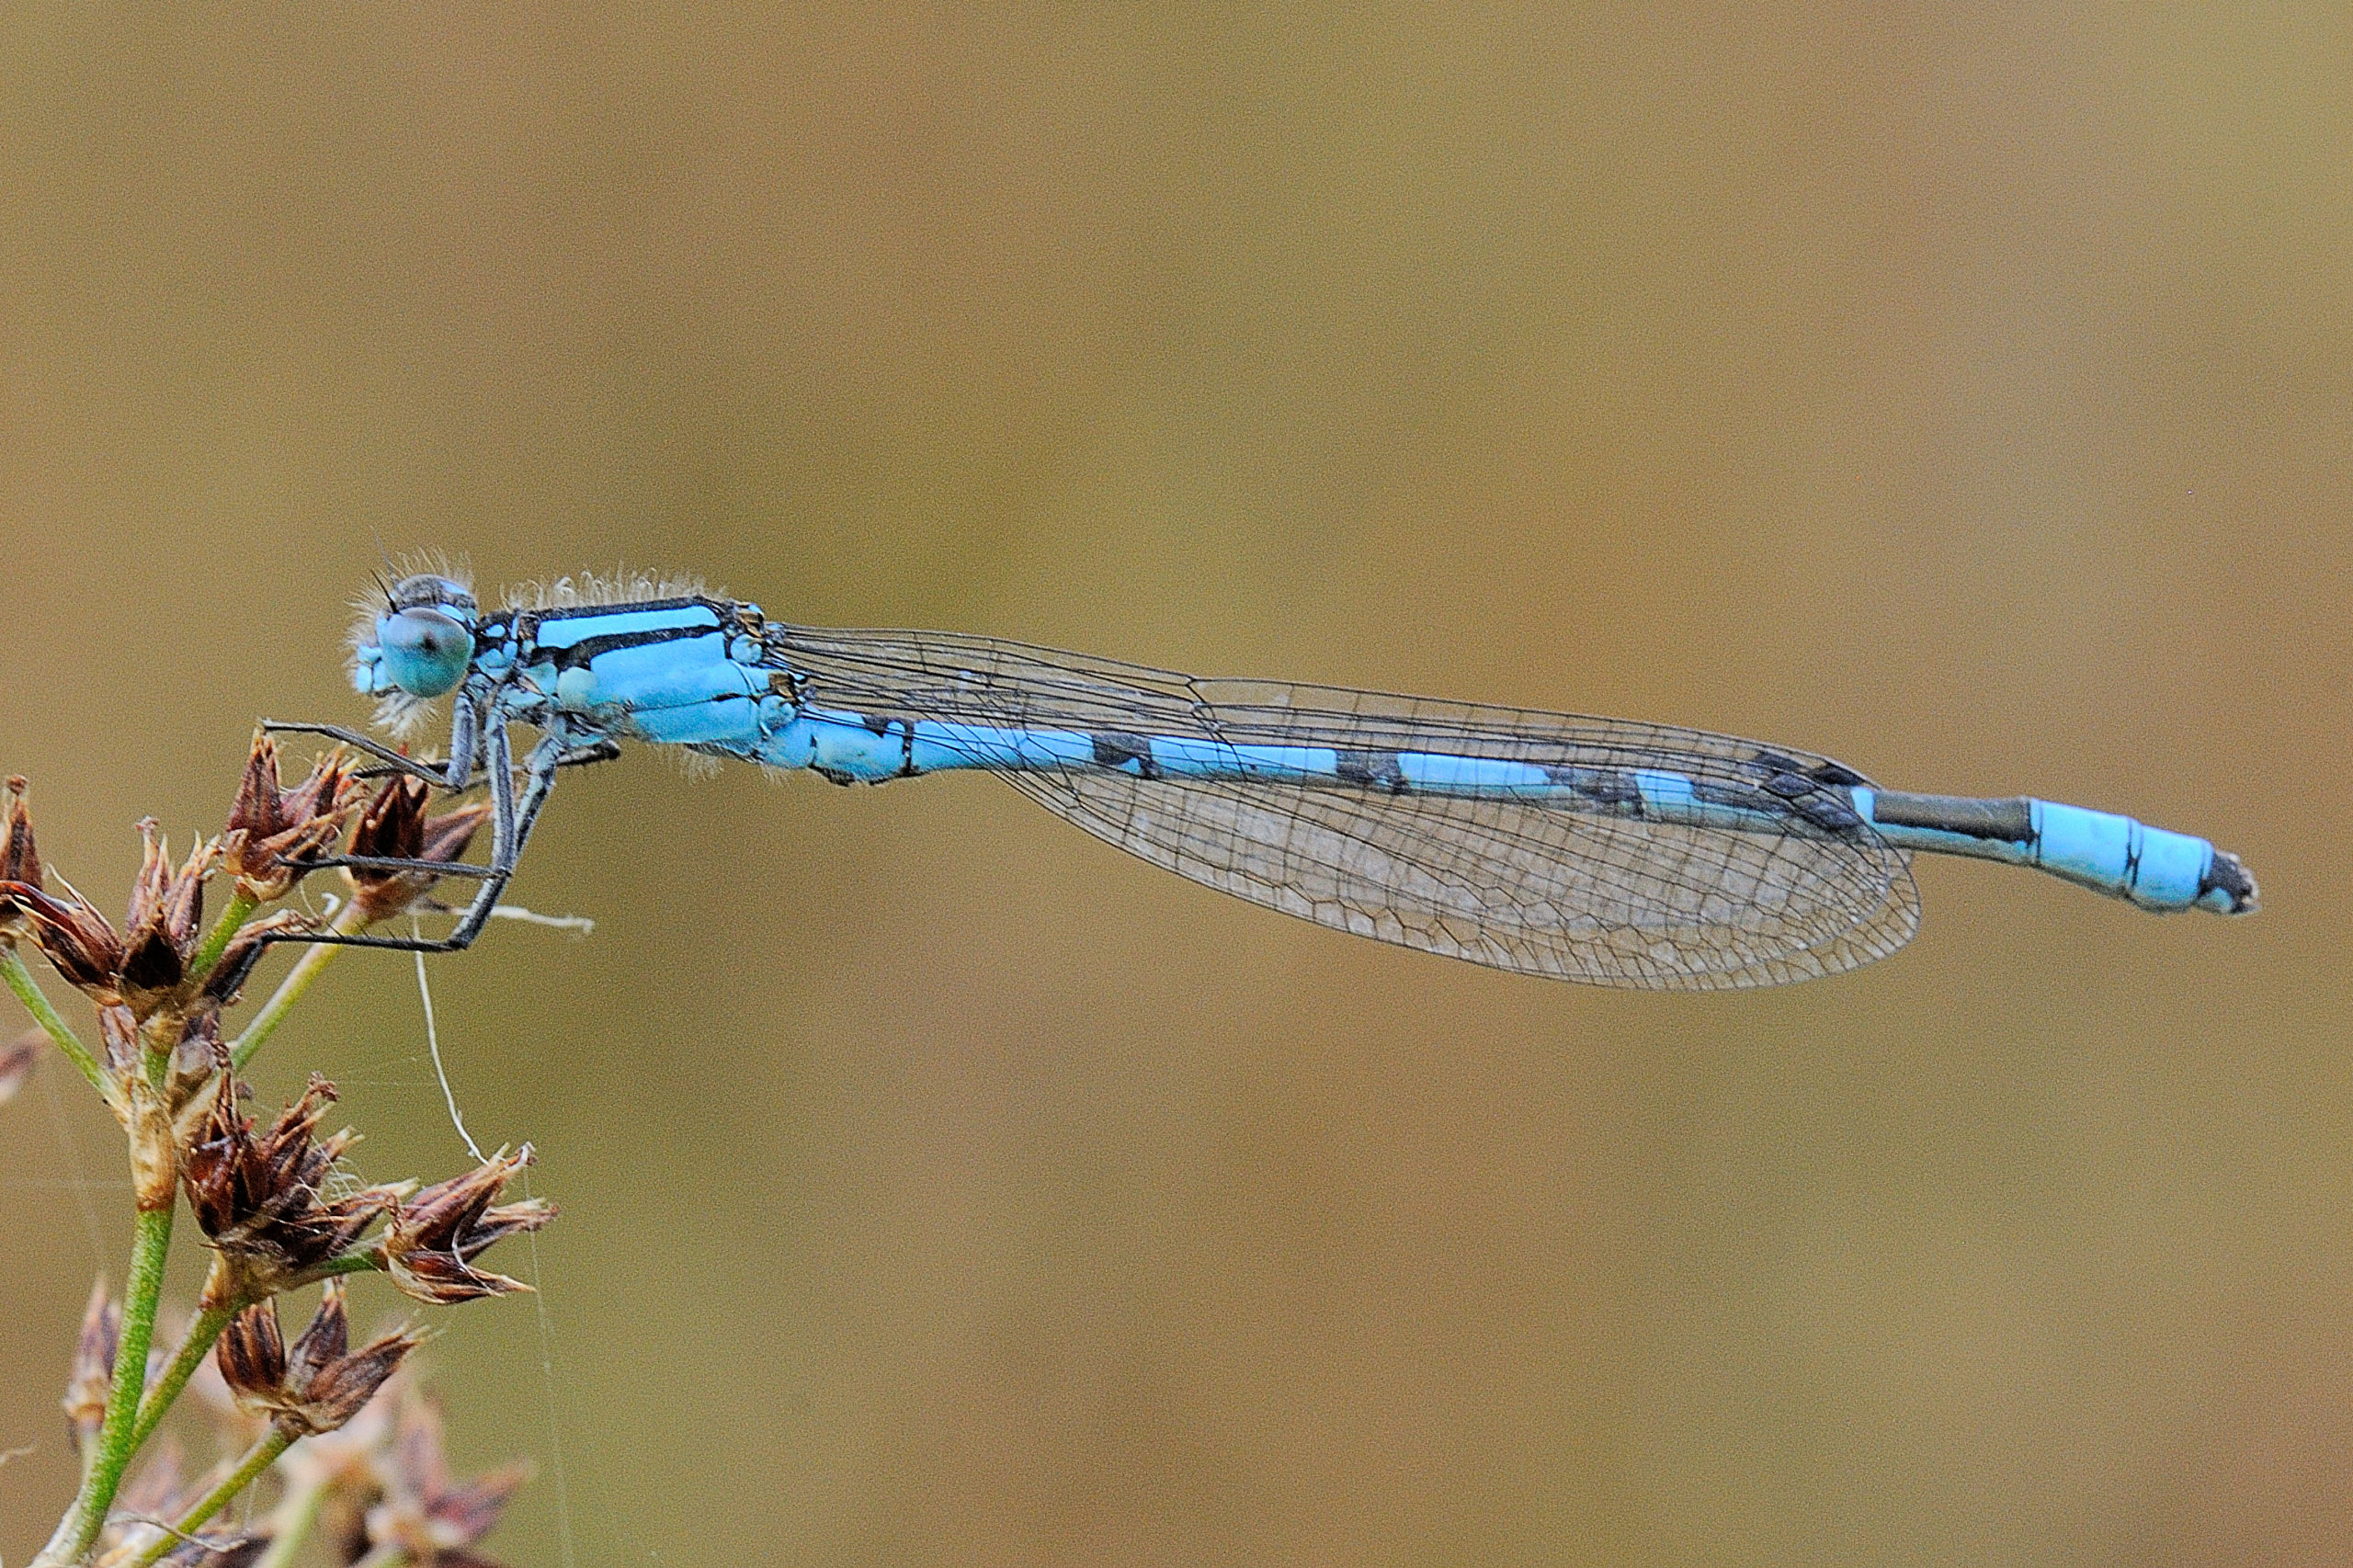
x=1968 y=395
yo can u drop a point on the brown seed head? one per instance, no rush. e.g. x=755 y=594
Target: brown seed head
x=86 y=1391
x=429 y=1247
x=72 y=935
x=426 y=1513
x=321 y=1382
x=394 y=827
x=144 y=968
x=263 y=1199
x=19 y=860
x=251 y=1353
x=268 y=826
x=165 y=922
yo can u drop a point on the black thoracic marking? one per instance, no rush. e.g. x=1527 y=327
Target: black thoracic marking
x=879 y=723
x=580 y=653
x=1117 y=748
x=1789 y=786
x=2006 y=821
x=528 y=622
x=1370 y=769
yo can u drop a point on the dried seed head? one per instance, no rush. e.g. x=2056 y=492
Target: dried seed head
x=263 y=1199
x=429 y=1247
x=270 y=826
x=425 y=1514
x=72 y=935
x=394 y=827
x=251 y=1353
x=146 y=966
x=165 y=920
x=86 y=1391
x=19 y=860
x=320 y=1384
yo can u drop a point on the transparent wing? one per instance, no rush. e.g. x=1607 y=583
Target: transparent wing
x=1541 y=888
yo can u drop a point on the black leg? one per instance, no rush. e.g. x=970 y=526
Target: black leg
x=511 y=823
x=353 y=738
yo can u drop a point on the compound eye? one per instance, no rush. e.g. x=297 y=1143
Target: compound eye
x=425 y=652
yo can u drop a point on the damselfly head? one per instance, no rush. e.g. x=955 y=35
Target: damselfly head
x=421 y=644
x=430 y=590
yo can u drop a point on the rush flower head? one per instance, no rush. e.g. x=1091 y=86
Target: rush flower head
x=270 y=826
x=263 y=1199
x=430 y=1246
x=394 y=827
x=319 y=1382
x=19 y=860
x=165 y=919
x=144 y=967
x=427 y=1515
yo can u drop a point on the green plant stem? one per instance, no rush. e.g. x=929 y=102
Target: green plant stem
x=216 y=941
x=151 y=1242
x=190 y=1356
x=259 y=1458
x=306 y=969
x=347 y=1263
x=291 y=1522
x=20 y=981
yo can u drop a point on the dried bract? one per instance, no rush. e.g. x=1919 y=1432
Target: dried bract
x=429 y=1247
x=394 y=827
x=270 y=826
x=263 y=1199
